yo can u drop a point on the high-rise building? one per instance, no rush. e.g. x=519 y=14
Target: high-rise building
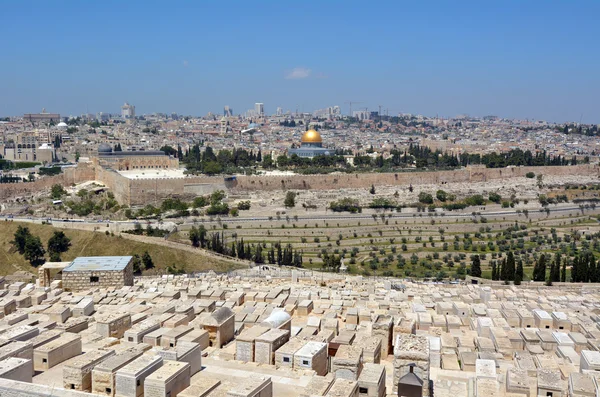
x=259 y=109
x=279 y=111
x=227 y=111
x=128 y=111
x=43 y=117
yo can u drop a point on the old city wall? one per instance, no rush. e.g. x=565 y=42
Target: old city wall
x=118 y=184
x=69 y=176
x=154 y=191
x=357 y=181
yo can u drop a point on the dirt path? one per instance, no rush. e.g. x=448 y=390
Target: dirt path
x=184 y=247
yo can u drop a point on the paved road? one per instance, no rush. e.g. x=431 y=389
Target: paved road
x=326 y=217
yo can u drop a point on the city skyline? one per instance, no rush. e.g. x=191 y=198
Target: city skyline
x=508 y=59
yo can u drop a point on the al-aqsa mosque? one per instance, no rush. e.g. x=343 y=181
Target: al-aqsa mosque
x=311 y=145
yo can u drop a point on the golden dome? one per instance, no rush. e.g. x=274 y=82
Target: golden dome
x=311 y=136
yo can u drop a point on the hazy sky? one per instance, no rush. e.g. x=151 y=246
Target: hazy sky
x=522 y=59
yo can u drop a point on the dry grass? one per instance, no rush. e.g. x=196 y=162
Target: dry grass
x=85 y=243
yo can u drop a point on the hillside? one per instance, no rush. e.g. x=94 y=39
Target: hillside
x=86 y=243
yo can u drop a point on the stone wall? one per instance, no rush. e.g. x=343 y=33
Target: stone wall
x=359 y=181
x=73 y=281
x=154 y=191
x=69 y=176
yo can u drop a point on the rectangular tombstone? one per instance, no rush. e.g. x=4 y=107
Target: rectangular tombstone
x=168 y=380
x=252 y=387
x=136 y=333
x=284 y=356
x=45 y=337
x=104 y=374
x=169 y=339
x=56 y=351
x=188 y=352
x=21 y=333
x=268 y=343
x=199 y=336
x=153 y=338
x=113 y=324
x=20 y=369
x=85 y=307
x=77 y=375
x=371 y=382
x=129 y=380
x=245 y=343
x=60 y=314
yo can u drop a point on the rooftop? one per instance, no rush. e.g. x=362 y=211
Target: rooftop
x=102 y=263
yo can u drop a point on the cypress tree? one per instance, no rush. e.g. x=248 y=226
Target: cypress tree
x=519 y=272
x=540 y=272
x=563 y=273
x=555 y=272
x=510 y=267
x=575 y=270
x=476 y=266
x=494 y=275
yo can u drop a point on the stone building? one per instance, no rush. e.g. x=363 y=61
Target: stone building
x=411 y=365
x=98 y=271
x=133 y=160
x=220 y=325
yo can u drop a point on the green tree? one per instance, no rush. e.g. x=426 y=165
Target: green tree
x=425 y=198
x=137 y=264
x=34 y=250
x=290 y=200
x=539 y=270
x=563 y=273
x=20 y=238
x=212 y=168
x=495 y=197
x=57 y=244
x=555 y=269
x=510 y=267
x=519 y=272
x=57 y=191
x=476 y=266
x=441 y=195
x=147 y=261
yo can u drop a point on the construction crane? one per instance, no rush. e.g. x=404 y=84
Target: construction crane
x=350 y=103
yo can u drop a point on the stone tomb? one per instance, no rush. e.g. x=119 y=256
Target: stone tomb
x=168 y=380
x=56 y=351
x=136 y=333
x=77 y=375
x=113 y=324
x=129 y=380
x=14 y=368
x=103 y=375
x=188 y=352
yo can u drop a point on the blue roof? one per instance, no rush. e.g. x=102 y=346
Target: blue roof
x=102 y=263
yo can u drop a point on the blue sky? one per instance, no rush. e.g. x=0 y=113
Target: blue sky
x=522 y=59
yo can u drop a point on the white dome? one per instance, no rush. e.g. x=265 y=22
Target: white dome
x=62 y=124
x=276 y=319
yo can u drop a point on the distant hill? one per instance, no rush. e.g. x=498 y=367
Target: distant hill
x=85 y=243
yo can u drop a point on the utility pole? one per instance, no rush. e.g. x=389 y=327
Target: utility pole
x=379 y=113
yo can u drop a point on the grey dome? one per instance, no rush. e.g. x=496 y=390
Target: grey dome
x=104 y=148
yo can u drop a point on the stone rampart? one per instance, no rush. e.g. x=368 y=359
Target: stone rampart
x=359 y=181
x=69 y=176
x=153 y=191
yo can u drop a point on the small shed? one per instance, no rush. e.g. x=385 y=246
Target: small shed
x=98 y=271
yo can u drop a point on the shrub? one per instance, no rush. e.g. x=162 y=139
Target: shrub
x=425 y=198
